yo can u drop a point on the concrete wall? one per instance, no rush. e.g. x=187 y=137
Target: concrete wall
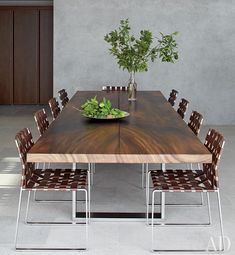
x=204 y=74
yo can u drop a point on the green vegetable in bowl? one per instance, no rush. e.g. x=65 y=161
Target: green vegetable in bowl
x=103 y=109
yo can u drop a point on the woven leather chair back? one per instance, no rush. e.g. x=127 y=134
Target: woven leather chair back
x=214 y=142
x=183 y=105
x=195 y=122
x=55 y=108
x=173 y=96
x=115 y=88
x=24 y=142
x=41 y=121
x=63 y=97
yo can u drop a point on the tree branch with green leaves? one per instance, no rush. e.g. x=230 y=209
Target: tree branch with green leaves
x=134 y=54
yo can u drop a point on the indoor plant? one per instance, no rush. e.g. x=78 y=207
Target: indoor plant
x=133 y=54
x=94 y=109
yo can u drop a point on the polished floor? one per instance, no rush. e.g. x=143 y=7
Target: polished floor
x=116 y=189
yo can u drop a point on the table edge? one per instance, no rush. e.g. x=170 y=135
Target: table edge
x=119 y=158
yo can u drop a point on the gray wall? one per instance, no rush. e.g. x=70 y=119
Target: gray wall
x=204 y=74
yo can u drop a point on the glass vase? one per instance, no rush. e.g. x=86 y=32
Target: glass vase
x=132 y=87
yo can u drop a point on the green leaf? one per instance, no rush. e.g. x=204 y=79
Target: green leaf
x=102 y=109
x=134 y=54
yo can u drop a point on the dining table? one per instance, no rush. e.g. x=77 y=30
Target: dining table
x=153 y=133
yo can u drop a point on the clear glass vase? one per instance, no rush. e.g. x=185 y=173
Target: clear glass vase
x=132 y=87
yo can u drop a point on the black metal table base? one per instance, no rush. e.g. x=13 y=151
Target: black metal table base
x=118 y=215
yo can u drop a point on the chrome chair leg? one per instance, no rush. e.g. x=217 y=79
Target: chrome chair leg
x=142 y=175
x=87 y=214
x=152 y=213
x=17 y=219
x=35 y=192
x=147 y=197
x=27 y=207
x=50 y=248
x=209 y=209
x=89 y=195
x=163 y=167
x=202 y=199
x=160 y=222
x=147 y=181
x=221 y=220
x=74 y=206
x=163 y=198
x=201 y=251
x=74 y=196
x=90 y=169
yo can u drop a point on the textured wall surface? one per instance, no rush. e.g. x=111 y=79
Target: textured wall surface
x=204 y=74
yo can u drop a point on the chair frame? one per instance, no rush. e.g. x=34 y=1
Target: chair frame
x=162 y=193
x=196 y=120
x=74 y=220
x=163 y=224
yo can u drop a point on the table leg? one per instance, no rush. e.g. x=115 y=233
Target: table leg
x=103 y=216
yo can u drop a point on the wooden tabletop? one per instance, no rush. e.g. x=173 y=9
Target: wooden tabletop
x=153 y=133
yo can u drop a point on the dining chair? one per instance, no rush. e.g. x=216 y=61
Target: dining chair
x=55 y=108
x=115 y=88
x=183 y=105
x=63 y=97
x=195 y=122
x=193 y=181
x=46 y=180
x=172 y=97
x=41 y=120
x=42 y=124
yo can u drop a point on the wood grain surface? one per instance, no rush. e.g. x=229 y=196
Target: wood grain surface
x=153 y=133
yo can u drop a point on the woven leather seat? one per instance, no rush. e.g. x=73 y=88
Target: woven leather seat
x=56 y=179
x=180 y=180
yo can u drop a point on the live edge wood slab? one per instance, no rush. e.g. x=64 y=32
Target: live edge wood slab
x=153 y=133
